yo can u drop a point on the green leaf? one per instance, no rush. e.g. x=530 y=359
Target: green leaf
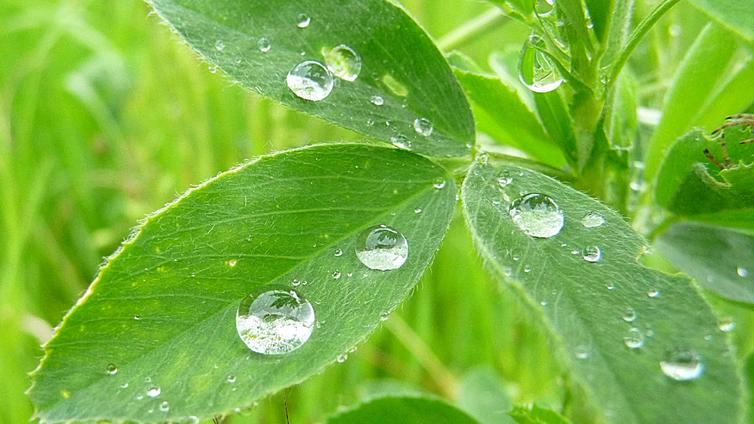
x=689 y=183
x=734 y=14
x=263 y=224
x=591 y=306
x=618 y=27
x=500 y=113
x=537 y=415
x=482 y=395
x=703 y=68
x=402 y=410
x=399 y=63
x=729 y=272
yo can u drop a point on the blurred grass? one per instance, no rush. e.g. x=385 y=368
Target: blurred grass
x=105 y=116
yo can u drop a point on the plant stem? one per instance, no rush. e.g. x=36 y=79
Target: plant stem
x=443 y=378
x=636 y=36
x=471 y=29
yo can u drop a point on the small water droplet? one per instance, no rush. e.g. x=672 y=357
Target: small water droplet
x=264 y=44
x=336 y=275
x=231 y=262
x=633 y=339
x=537 y=215
x=629 y=315
x=153 y=391
x=400 y=141
x=439 y=183
x=338 y=252
x=504 y=181
x=219 y=45
x=377 y=100
x=231 y=379
x=418 y=211
x=382 y=248
x=296 y=282
x=274 y=322
x=384 y=316
x=537 y=71
x=592 y=254
x=137 y=317
x=581 y=352
x=342 y=358
x=343 y=62
x=653 y=293
x=610 y=286
x=423 y=127
x=527 y=268
x=310 y=80
x=303 y=21
x=592 y=220
x=726 y=324
x=124 y=385
x=164 y=406
x=742 y=272
x=111 y=369
x=682 y=365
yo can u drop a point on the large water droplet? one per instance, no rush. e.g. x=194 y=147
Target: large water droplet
x=423 y=127
x=537 y=71
x=264 y=44
x=303 y=21
x=592 y=219
x=544 y=7
x=537 y=215
x=382 y=248
x=343 y=62
x=153 y=391
x=592 y=254
x=682 y=365
x=310 y=80
x=633 y=339
x=275 y=322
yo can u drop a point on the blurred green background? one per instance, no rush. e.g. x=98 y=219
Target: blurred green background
x=105 y=116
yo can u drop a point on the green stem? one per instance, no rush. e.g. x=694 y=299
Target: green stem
x=443 y=378
x=636 y=36
x=471 y=29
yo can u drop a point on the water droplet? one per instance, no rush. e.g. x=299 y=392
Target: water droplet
x=231 y=379
x=137 y=317
x=629 y=315
x=504 y=181
x=342 y=358
x=633 y=339
x=537 y=215
x=231 y=262
x=400 y=141
x=338 y=252
x=592 y=254
x=377 y=100
x=153 y=391
x=610 y=286
x=726 y=324
x=423 y=127
x=418 y=211
x=592 y=220
x=111 y=369
x=264 y=44
x=310 y=80
x=382 y=248
x=274 y=322
x=742 y=272
x=303 y=21
x=124 y=385
x=537 y=71
x=439 y=183
x=682 y=365
x=384 y=316
x=219 y=45
x=343 y=62
x=527 y=268
x=164 y=406
x=193 y=419
x=544 y=8
x=653 y=293
x=581 y=352
x=336 y=275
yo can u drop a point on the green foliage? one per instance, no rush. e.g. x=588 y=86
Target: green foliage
x=104 y=116
x=592 y=305
x=394 y=52
x=185 y=269
x=402 y=410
